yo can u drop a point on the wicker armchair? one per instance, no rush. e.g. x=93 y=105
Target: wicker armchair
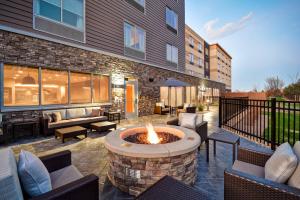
x=201 y=128
x=161 y=110
x=239 y=185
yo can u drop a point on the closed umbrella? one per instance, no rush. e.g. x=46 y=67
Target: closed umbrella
x=171 y=82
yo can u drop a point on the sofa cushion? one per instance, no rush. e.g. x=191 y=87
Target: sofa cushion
x=88 y=110
x=63 y=113
x=188 y=120
x=10 y=187
x=73 y=113
x=248 y=168
x=56 y=117
x=294 y=180
x=77 y=121
x=33 y=174
x=95 y=113
x=64 y=176
x=281 y=165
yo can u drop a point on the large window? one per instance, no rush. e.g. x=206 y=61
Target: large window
x=176 y=95
x=54 y=87
x=21 y=86
x=171 y=18
x=190 y=95
x=80 y=88
x=134 y=37
x=100 y=88
x=30 y=86
x=69 y=12
x=172 y=54
x=191 y=57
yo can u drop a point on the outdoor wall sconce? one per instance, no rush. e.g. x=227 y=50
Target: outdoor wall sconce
x=151 y=80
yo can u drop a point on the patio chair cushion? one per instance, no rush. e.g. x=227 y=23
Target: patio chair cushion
x=64 y=176
x=248 y=168
x=89 y=110
x=77 y=121
x=76 y=113
x=57 y=116
x=10 y=187
x=281 y=165
x=33 y=174
x=188 y=120
x=294 y=180
x=199 y=118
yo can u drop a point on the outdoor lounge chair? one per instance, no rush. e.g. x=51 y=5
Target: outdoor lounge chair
x=239 y=185
x=58 y=165
x=161 y=109
x=169 y=188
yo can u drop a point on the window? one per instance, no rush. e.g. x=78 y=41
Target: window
x=190 y=95
x=176 y=95
x=191 y=58
x=54 y=87
x=200 y=47
x=134 y=37
x=80 y=88
x=200 y=62
x=172 y=54
x=191 y=40
x=141 y=2
x=100 y=88
x=68 y=12
x=206 y=51
x=21 y=86
x=171 y=18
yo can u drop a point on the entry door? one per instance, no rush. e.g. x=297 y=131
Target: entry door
x=131 y=105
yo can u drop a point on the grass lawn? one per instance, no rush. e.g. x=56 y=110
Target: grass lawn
x=282 y=127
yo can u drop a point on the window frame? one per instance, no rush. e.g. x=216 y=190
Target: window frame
x=172 y=47
x=40 y=106
x=124 y=35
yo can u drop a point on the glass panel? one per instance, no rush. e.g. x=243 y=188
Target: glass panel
x=169 y=52
x=173 y=96
x=188 y=95
x=193 y=95
x=20 y=86
x=50 y=9
x=164 y=95
x=175 y=55
x=171 y=18
x=140 y=39
x=179 y=96
x=73 y=13
x=141 y=2
x=100 y=88
x=80 y=88
x=54 y=87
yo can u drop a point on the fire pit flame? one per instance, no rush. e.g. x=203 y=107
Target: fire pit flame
x=152 y=136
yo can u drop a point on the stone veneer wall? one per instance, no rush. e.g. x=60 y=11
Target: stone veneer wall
x=134 y=175
x=27 y=51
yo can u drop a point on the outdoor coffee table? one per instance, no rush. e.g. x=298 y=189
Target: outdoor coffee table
x=70 y=132
x=112 y=116
x=224 y=137
x=103 y=126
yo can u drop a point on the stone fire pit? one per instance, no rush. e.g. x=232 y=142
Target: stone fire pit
x=135 y=164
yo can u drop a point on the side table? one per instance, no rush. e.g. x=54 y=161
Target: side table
x=224 y=137
x=112 y=116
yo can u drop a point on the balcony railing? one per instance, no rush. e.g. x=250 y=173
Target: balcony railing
x=270 y=122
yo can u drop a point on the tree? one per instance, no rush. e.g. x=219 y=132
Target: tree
x=274 y=86
x=292 y=91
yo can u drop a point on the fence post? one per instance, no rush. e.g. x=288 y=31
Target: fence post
x=220 y=112
x=273 y=123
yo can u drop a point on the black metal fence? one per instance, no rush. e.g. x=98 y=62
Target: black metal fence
x=270 y=122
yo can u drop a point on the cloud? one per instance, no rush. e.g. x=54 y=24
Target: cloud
x=227 y=29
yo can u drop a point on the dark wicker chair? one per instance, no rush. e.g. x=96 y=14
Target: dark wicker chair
x=201 y=129
x=83 y=188
x=169 y=188
x=161 y=110
x=239 y=185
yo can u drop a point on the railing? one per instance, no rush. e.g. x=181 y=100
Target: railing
x=270 y=122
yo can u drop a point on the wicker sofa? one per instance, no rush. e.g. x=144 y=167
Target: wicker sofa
x=201 y=128
x=70 y=117
x=74 y=186
x=239 y=185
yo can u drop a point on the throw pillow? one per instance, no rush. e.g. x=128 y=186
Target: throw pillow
x=101 y=111
x=95 y=113
x=33 y=174
x=294 y=180
x=188 y=120
x=281 y=164
x=56 y=116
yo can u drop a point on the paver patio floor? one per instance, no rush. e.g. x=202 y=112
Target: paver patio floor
x=90 y=156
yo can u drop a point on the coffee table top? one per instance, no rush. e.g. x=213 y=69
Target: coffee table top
x=70 y=129
x=101 y=124
x=224 y=137
x=113 y=112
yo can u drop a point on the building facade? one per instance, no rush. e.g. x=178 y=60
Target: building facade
x=220 y=65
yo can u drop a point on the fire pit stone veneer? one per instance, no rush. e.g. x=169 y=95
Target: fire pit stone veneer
x=135 y=167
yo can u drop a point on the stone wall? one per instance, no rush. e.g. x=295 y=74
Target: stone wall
x=134 y=175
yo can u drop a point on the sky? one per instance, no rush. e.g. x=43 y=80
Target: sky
x=262 y=36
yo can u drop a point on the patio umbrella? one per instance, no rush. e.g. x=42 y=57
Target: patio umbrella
x=171 y=82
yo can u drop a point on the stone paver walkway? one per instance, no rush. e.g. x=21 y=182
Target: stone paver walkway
x=90 y=156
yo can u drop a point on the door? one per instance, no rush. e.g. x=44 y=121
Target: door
x=131 y=105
